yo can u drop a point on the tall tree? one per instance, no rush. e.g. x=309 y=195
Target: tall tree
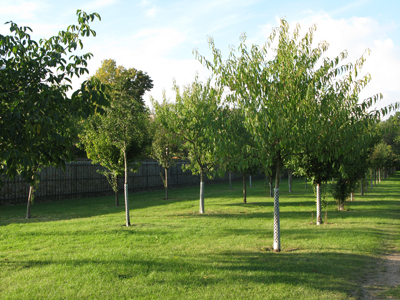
x=37 y=116
x=193 y=118
x=273 y=94
x=120 y=137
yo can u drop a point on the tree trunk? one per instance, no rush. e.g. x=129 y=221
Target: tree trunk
x=271 y=191
x=305 y=185
x=319 y=218
x=117 y=192
x=230 y=180
x=277 y=230
x=366 y=183
x=201 y=192
x=28 y=206
x=370 y=174
x=166 y=183
x=290 y=180
x=352 y=196
x=250 y=180
x=361 y=187
x=244 y=188
x=379 y=173
x=375 y=176
x=127 y=218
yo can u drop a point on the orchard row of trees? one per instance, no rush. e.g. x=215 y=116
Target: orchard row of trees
x=280 y=105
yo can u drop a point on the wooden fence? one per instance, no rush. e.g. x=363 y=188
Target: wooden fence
x=81 y=179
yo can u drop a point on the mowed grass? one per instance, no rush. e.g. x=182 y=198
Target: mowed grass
x=80 y=249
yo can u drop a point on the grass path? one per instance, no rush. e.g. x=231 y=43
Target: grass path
x=80 y=249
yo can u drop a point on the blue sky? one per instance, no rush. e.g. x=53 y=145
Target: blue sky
x=158 y=36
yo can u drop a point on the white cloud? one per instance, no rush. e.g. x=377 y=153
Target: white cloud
x=156 y=42
x=151 y=12
x=356 y=35
x=148 y=50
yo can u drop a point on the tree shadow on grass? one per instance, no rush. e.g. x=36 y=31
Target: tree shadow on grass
x=85 y=207
x=295 y=271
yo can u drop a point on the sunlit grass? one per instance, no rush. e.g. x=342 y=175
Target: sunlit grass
x=80 y=249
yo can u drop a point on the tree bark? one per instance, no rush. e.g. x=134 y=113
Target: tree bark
x=250 y=180
x=379 y=173
x=166 y=183
x=201 y=193
x=290 y=180
x=127 y=218
x=28 y=206
x=305 y=185
x=230 y=180
x=352 y=196
x=361 y=187
x=319 y=218
x=370 y=174
x=117 y=192
x=244 y=188
x=277 y=230
x=271 y=191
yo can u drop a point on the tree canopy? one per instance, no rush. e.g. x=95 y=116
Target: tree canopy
x=37 y=116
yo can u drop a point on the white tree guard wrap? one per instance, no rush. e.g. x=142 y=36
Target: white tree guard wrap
x=202 y=197
x=128 y=221
x=319 y=218
x=277 y=229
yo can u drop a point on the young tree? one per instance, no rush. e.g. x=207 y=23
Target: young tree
x=273 y=92
x=37 y=116
x=235 y=148
x=193 y=119
x=121 y=136
x=165 y=148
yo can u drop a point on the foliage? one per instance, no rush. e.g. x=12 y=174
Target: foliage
x=383 y=156
x=37 y=116
x=390 y=130
x=236 y=149
x=166 y=145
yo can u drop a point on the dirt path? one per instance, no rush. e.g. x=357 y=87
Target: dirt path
x=384 y=283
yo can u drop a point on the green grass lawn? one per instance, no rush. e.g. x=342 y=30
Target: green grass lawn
x=80 y=249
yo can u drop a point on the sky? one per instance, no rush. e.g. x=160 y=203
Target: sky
x=158 y=37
